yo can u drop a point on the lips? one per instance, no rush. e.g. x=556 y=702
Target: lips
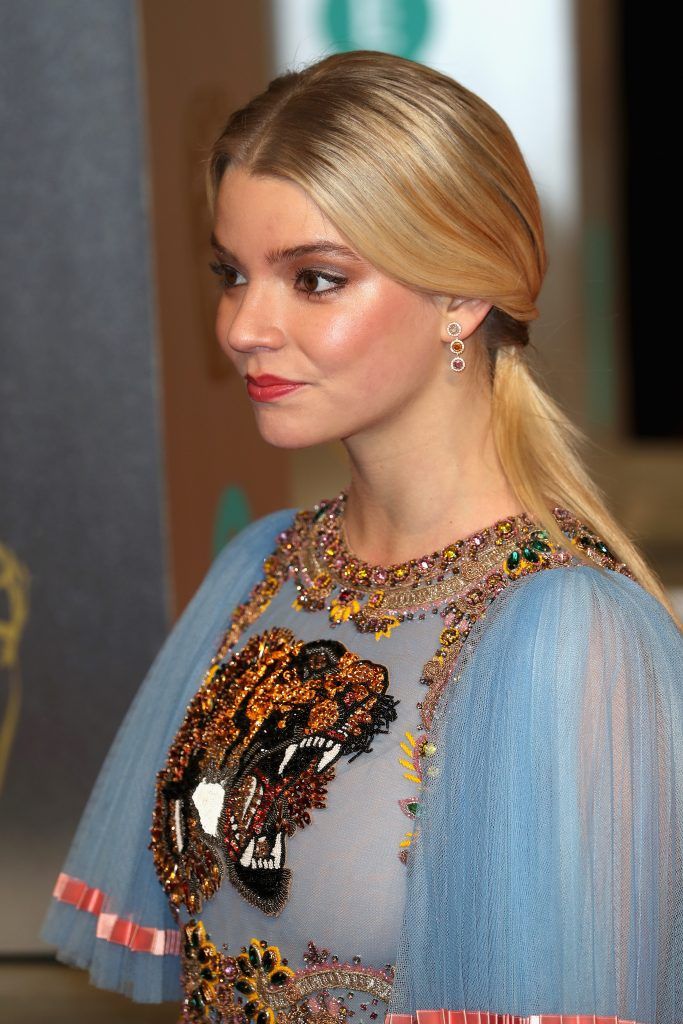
x=268 y=388
x=266 y=380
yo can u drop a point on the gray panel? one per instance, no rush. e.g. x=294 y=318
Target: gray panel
x=80 y=480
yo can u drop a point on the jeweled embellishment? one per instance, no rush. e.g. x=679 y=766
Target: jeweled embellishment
x=207 y=977
x=458 y=582
x=344 y=606
x=258 y=986
x=254 y=755
x=261 y=968
x=416 y=750
x=408 y=588
x=535 y=550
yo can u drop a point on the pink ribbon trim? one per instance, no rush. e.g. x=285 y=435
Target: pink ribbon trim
x=161 y=942
x=157 y=941
x=486 y=1017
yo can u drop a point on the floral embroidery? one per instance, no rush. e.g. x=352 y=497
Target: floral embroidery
x=258 y=985
x=261 y=968
x=416 y=749
x=342 y=608
x=255 y=753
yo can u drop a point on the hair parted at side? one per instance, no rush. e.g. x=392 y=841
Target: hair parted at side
x=427 y=182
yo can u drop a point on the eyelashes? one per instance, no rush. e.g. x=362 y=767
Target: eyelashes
x=222 y=270
x=336 y=281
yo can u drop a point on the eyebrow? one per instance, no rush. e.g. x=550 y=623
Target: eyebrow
x=296 y=252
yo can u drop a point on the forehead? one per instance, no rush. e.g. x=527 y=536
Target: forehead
x=263 y=203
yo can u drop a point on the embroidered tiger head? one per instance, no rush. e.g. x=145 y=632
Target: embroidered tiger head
x=254 y=755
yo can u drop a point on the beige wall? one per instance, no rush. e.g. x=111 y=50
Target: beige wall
x=200 y=62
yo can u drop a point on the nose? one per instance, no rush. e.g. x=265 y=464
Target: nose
x=245 y=324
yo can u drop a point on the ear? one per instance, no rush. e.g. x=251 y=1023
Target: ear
x=469 y=313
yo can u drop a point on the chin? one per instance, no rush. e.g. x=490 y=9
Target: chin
x=291 y=437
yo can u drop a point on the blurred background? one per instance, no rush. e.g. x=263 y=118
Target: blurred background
x=128 y=448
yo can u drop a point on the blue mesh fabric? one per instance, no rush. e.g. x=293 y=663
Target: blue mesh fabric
x=109 y=851
x=548 y=873
x=547 y=876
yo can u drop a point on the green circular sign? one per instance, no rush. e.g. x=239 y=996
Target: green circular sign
x=232 y=515
x=394 y=26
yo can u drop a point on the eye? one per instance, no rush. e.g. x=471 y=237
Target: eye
x=306 y=276
x=227 y=274
x=309 y=277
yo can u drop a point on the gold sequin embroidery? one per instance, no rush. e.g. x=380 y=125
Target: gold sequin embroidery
x=254 y=755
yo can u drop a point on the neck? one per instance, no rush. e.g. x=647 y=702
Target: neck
x=416 y=491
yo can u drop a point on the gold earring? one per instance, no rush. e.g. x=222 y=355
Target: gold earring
x=457 y=346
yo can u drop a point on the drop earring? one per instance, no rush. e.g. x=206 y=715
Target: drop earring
x=457 y=346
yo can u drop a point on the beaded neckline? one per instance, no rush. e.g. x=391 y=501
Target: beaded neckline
x=456 y=564
x=457 y=583
x=421 y=567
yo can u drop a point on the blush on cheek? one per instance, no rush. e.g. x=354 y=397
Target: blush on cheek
x=361 y=329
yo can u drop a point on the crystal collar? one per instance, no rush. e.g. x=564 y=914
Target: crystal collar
x=440 y=574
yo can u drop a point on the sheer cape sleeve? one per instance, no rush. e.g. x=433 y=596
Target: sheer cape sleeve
x=109 y=913
x=547 y=872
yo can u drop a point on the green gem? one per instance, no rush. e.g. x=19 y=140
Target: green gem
x=254 y=956
x=530 y=555
x=252 y=1008
x=603 y=547
x=513 y=560
x=279 y=978
x=263 y=1017
x=245 y=986
x=540 y=545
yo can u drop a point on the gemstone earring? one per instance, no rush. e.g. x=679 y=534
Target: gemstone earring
x=457 y=346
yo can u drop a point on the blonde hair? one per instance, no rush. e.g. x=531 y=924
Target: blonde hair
x=428 y=183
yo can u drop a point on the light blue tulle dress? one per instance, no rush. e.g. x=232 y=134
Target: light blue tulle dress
x=451 y=788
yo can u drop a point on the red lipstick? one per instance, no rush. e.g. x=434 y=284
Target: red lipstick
x=266 y=387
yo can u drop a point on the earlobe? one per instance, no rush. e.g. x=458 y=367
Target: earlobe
x=470 y=314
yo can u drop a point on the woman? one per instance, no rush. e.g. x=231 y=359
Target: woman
x=417 y=748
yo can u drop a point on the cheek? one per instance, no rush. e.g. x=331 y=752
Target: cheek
x=352 y=341
x=373 y=326
x=386 y=341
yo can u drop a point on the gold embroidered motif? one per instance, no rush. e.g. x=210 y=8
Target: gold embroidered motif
x=258 y=984
x=254 y=755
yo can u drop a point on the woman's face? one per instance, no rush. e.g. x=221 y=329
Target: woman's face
x=298 y=303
